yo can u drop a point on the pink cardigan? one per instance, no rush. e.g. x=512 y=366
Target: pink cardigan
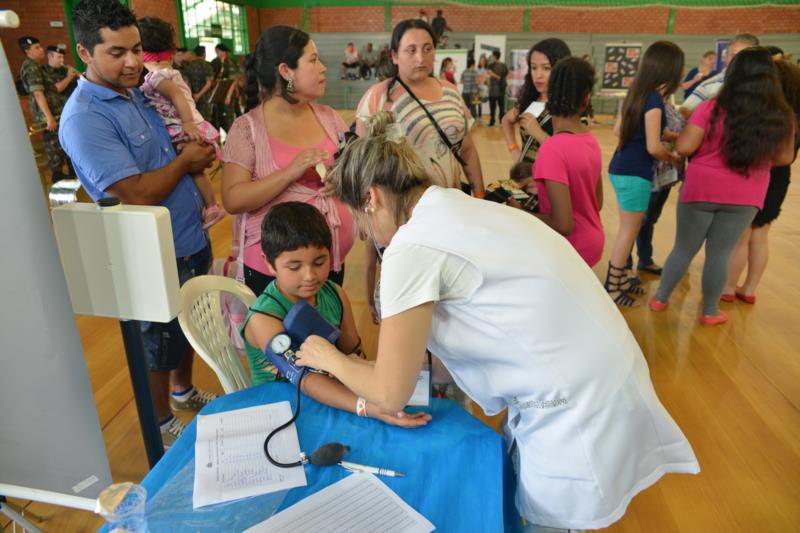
x=248 y=146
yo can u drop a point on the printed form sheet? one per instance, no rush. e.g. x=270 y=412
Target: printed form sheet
x=359 y=503
x=229 y=454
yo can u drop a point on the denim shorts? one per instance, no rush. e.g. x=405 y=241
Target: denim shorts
x=633 y=192
x=164 y=344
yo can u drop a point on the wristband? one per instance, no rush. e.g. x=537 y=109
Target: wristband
x=512 y=147
x=361 y=407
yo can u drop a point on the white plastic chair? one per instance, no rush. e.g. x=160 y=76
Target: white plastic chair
x=204 y=325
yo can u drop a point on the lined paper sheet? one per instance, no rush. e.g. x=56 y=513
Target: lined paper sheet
x=359 y=503
x=229 y=454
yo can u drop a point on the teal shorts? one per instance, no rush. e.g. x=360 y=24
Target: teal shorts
x=633 y=192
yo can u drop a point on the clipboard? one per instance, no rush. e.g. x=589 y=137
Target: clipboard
x=219 y=91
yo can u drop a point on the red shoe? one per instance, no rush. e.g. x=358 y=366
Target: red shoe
x=746 y=298
x=729 y=297
x=713 y=320
x=657 y=306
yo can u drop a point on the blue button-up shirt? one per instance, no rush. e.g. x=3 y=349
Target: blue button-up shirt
x=110 y=137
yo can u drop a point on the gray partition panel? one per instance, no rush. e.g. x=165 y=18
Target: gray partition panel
x=50 y=436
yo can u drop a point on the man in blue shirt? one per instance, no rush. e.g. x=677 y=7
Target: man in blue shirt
x=120 y=147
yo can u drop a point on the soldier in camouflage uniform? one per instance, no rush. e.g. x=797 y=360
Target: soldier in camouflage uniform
x=45 y=103
x=58 y=72
x=200 y=76
x=225 y=69
x=180 y=61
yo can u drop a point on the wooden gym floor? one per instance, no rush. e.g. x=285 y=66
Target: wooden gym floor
x=733 y=389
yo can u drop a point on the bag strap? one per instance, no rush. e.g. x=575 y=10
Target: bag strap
x=439 y=130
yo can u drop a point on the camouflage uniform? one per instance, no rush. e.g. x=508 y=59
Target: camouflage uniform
x=197 y=73
x=58 y=74
x=223 y=115
x=35 y=78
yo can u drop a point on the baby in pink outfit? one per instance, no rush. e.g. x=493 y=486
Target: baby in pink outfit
x=169 y=94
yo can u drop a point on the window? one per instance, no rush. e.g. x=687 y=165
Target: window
x=209 y=22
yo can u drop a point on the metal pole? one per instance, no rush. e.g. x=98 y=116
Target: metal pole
x=140 y=379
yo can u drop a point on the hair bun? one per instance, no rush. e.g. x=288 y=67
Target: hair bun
x=380 y=122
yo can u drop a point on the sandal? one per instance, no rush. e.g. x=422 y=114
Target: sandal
x=652 y=268
x=623 y=298
x=634 y=285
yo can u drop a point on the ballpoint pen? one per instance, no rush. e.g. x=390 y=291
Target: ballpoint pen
x=355 y=467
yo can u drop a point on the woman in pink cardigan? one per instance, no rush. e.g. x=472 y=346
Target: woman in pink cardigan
x=272 y=152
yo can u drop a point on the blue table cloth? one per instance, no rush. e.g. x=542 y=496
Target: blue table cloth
x=457 y=472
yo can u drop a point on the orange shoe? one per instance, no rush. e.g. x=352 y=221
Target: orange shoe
x=729 y=297
x=746 y=298
x=713 y=320
x=656 y=305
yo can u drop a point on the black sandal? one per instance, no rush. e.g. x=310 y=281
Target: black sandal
x=652 y=268
x=623 y=298
x=634 y=285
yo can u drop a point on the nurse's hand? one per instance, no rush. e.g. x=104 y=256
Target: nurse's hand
x=318 y=353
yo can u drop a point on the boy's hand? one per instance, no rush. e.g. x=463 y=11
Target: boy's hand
x=401 y=418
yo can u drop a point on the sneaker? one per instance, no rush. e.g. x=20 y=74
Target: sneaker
x=171 y=433
x=195 y=402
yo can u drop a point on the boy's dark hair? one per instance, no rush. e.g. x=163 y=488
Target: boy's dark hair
x=90 y=16
x=470 y=63
x=290 y=226
x=570 y=82
x=496 y=54
x=157 y=35
x=521 y=171
x=200 y=51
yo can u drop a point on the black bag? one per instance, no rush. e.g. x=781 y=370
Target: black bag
x=454 y=149
x=20 y=85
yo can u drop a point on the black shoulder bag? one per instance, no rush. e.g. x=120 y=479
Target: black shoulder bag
x=455 y=149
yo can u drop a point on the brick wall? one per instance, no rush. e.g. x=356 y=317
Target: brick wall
x=346 y=19
x=163 y=9
x=463 y=18
x=628 y=20
x=757 y=20
x=35 y=17
x=290 y=16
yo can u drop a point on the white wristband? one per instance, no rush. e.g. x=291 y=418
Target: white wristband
x=361 y=407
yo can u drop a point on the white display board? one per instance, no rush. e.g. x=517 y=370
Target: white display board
x=51 y=446
x=485 y=44
x=459 y=57
x=119 y=261
x=517 y=70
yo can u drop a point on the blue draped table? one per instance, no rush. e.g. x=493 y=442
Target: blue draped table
x=457 y=472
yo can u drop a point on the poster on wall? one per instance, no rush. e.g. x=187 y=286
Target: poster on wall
x=620 y=65
x=459 y=57
x=721 y=48
x=517 y=70
x=486 y=44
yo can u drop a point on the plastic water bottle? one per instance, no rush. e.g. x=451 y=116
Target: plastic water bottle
x=123 y=507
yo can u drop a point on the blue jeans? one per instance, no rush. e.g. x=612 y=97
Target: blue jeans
x=644 y=240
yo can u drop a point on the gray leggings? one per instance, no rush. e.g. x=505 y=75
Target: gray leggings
x=720 y=226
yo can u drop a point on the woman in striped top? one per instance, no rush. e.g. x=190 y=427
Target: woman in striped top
x=444 y=111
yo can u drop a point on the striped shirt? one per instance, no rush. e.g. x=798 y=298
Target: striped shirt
x=705 y=91
x=449 y=111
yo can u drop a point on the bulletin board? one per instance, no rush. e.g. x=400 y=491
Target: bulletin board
x=620 y=65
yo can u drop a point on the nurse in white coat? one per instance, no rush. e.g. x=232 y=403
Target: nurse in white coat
x=520 y=321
